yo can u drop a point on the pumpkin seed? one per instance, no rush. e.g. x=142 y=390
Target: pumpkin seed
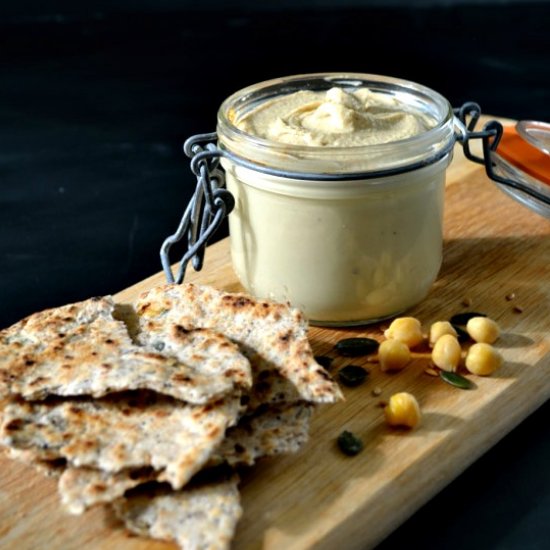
x=349 y=444
x=352 y=375
x=456 y=380
x=324 y=360
x=463 y=318
x=353 y=347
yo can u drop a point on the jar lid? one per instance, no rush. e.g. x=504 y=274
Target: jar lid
x=523 y=154
x=536 y=133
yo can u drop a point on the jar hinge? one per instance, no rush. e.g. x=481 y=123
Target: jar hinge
x=207 y=209
x=469 y=115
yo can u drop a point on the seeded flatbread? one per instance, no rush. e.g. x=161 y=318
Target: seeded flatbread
x=81 y=488
x=49 y=468
x=276 y=332
x=272 y=431
x=121 y=432
x=81 y=349
x=269 y=385
x=201 y=518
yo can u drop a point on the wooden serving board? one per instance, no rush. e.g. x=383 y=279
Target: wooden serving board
x=319 y=498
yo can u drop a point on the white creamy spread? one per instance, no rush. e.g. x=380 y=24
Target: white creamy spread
x=365 y=255
x=335 y=118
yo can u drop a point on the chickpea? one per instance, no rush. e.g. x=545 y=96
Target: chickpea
x=483 y=359
x=438 y=329
x=403 y=410
x=393 y=355
x=483 y=329
x=407 y=330
x=446 y=353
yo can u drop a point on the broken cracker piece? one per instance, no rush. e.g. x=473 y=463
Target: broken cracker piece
x=81 y=349
x=118 y=432
x=198 y=518
x=275 y=332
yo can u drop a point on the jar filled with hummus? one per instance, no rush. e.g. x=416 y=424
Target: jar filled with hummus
x=338 y=181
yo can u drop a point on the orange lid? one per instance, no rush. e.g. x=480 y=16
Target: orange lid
x=523 y=155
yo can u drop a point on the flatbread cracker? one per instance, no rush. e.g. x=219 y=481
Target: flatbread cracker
x=194 y=351
x=276 y=430
x=269 y=386
x=121 y=432
x=49 y=468
x=276 y=333
x=273 y=431
x=82 y=488
x=81 y=349
x=198 y=518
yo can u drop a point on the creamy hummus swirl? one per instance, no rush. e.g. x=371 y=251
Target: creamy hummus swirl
x=335 y=118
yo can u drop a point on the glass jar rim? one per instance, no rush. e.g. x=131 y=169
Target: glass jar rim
x=420 y=99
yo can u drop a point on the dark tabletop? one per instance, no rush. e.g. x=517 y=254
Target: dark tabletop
x=96 y=100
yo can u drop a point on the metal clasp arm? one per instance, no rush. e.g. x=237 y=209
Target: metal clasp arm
x=491 y=135
x=208 y=207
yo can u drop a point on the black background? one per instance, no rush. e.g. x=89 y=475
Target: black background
x=97 y=97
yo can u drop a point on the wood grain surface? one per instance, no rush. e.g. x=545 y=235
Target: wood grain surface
x=319 y=498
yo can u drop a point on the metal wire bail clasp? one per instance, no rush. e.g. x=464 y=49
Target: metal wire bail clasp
x=522 y=188
x=207 y=209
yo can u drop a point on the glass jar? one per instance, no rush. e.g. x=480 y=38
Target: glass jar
x=350 y=235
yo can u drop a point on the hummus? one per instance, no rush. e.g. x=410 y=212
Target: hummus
x=335 y=118
x=343 y=252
